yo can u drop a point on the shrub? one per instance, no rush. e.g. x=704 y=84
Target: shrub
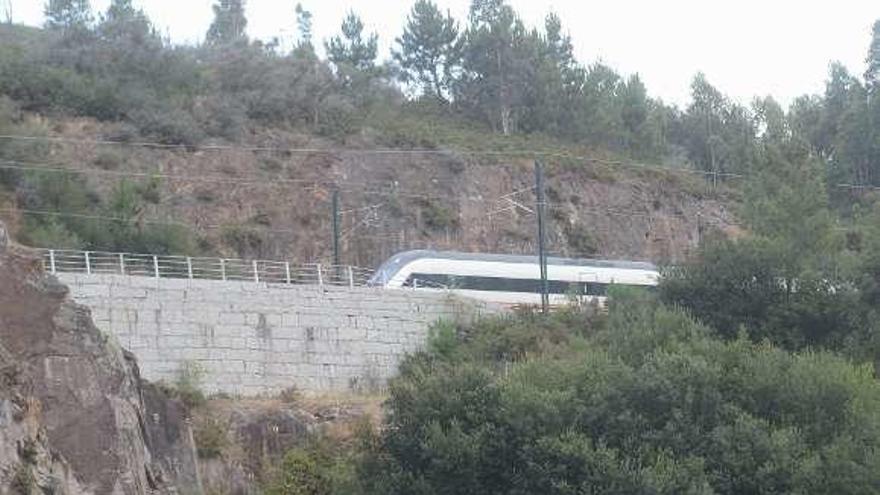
x=108 y=160
x=168 y=125
x=244 y=239
x=210 y=437
x=759 y=286
x=581 y=239
x=188 y=385
x=438 y=217
x=647 y=402
x=337 y=117
x=321 y=466
x=300 y=475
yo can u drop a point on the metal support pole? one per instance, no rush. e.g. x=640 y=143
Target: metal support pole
x=287 y=271
x=256 y=272
x=223 y=269
x=88 y=264
x=156 y=265
x=52 y=261
x=336 y=231
x=699 y=228
x=121 y=264
x=350 y=277
x=542 y=254
x=189 y=267
x=320 y=276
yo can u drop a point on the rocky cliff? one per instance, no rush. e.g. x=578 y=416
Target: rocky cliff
x=75 y=417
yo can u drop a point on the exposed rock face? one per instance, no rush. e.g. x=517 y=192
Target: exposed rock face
x=72 y=410
x=257 y=435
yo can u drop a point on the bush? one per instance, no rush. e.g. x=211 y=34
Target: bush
x=337 y=117
x=760 y=287
x=438 y=217
x=210 y=437
x=649 y=402
x=321 y=467
x=301 y=475
x=245 y=240
x=581 y=239
x=188 y=386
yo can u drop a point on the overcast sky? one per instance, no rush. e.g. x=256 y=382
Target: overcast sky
x=745 y=47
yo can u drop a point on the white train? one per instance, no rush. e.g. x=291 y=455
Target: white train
x=510 y=279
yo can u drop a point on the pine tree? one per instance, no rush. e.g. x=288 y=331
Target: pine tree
x=304 y=26
x=872 y=76
x=499 y=64
x=229 y=23
x=350 y=49
x=429 y=51
x=124 y=23
x=68 y=15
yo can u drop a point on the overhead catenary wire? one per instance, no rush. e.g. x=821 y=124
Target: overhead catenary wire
x=108 y=218
x=524 y=153
x=351 y=187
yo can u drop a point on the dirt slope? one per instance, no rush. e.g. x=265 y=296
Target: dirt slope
x=276 y=204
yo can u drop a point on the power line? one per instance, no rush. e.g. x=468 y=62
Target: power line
x=525 y=153
x=274 y=149
x=316 y=184
x=85 y=216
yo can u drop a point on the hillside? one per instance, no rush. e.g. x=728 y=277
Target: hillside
x=276 y=204
x=235 y=147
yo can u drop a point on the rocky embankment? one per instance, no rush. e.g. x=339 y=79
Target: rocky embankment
x=75 y=417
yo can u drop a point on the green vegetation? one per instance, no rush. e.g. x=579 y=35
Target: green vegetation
x=641 y=400
x=321 y=467
x=484 y=82
x=187 y=386
x=210 y=436
x=803 y=277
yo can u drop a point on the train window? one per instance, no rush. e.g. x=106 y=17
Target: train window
x=500 y=284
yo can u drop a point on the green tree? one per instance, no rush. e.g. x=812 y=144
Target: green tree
x=635 y=111
x=498 y=67
x=229 y=23
x=785 y=281
x=68 y=15
x=123 y=23
x=429 y=51
x=350 y=49
x=304 y=26
x=720 y=133
x=872 y=75
x=646 y=402
x=557 y=97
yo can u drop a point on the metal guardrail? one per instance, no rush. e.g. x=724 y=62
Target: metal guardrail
x=183 y=267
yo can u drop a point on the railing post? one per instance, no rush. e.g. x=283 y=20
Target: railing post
x=121 y=264
x=52 y=261
x=223 y=269
x=189 y=267
x=256 y=272
x=320 y=276
x=88 y=264
x=287 y=271
x=350 y=277
x=156 y=265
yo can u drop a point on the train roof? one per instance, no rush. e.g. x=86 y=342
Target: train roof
x=406 y=257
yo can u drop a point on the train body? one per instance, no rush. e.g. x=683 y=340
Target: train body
x=510 y=279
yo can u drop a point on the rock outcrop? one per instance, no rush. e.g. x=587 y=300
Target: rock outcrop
x=75 y=417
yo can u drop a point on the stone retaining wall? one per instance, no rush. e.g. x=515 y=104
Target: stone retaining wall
x=249 y=339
